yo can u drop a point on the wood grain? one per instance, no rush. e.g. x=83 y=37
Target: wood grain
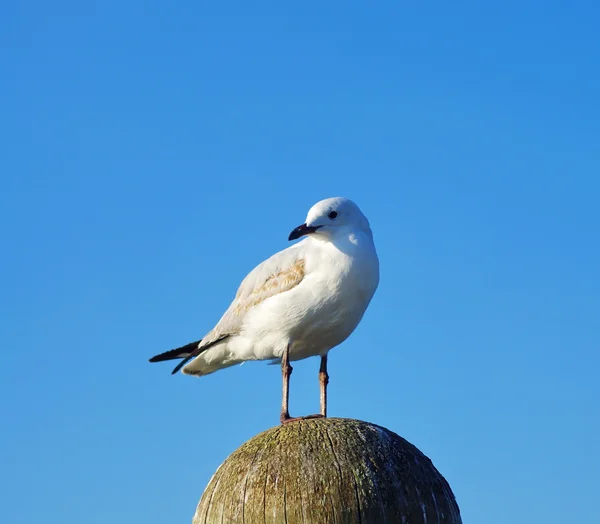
x=327 y=471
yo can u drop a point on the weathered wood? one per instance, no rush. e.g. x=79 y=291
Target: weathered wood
x=327 y=471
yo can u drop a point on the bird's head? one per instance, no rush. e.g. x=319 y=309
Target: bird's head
x=332 y=217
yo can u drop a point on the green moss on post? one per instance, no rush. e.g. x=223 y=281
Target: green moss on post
x=327 y=471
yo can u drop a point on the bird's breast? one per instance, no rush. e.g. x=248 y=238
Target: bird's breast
x=339 y=300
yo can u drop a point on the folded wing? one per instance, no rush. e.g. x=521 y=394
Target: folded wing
x=278 y=274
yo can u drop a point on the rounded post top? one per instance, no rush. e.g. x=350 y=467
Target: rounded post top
x=327 y=471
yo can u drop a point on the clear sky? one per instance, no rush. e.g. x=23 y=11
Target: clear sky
x=154 y=152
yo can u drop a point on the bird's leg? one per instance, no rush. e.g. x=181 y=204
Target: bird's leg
x=323 y=381
x=286 y=371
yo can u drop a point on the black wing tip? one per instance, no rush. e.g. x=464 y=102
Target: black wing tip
x=187 y=353
x=183 y=363
x=167 y=355
x=182 y=352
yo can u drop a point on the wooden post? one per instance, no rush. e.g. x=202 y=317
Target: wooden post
x=323 y=471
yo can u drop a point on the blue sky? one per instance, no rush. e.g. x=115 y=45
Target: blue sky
x=153 y=154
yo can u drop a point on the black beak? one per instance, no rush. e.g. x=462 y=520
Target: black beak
x=302 y=230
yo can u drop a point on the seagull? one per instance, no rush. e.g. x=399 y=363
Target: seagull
x=299 y=303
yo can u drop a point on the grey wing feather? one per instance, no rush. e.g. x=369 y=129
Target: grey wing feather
x=281 y=272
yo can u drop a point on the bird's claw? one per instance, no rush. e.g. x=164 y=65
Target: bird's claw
x=286 y=419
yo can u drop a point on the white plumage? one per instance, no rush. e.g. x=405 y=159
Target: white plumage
x=306 y=299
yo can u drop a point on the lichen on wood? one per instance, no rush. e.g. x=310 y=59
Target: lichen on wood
x=327 y=471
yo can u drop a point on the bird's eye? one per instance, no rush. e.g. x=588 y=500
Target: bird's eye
x=332 y=215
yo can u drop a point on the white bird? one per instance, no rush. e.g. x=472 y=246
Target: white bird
x=301 y=302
